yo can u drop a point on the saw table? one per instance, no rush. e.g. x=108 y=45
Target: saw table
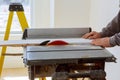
x=78 y=59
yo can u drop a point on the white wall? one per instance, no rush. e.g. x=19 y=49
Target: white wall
x=68 y=13
x=102 y=12
x=72 y=13
x=40 y=13
x=112 y=69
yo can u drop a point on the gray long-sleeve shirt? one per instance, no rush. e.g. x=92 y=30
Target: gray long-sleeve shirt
x=112 y=30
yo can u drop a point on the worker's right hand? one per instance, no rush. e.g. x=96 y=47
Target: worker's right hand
x=92 y=35
x=104 y=42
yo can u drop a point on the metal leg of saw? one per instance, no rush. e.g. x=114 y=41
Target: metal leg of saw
x=32 y=73
x=20 y=13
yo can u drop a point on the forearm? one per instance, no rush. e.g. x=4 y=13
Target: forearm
x=115 y=40
x=112 y=28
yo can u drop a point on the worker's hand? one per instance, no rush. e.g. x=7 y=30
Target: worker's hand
x=104 y=42
x=92 y=35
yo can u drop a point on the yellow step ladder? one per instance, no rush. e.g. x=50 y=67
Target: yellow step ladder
x=18 y=8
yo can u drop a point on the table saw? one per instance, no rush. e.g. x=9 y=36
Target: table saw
x=78 y=59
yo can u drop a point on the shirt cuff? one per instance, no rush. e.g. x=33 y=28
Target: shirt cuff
x=112 y=41
x=102 y=35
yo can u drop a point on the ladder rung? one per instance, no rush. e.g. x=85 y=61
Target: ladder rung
x=12 y=54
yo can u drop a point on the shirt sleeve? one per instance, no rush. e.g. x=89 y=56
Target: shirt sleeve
x=115 y=40
x=112 y=30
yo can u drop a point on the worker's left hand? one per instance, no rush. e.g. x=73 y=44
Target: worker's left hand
x=104 y=42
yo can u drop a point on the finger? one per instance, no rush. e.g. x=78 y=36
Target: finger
x=95 y=42
x=92 y=37
x=87 y=35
